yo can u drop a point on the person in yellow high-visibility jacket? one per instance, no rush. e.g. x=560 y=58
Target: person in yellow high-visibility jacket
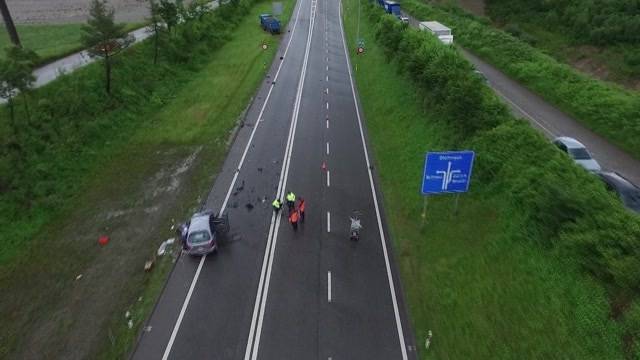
x=291 y=200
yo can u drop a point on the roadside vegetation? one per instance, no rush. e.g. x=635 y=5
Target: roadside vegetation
x=605 y=108
x=50 y=41
x=539 y=262
x=84 y=163
x=605 y=32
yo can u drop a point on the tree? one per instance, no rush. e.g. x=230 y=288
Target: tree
x=8 y=23
x=168 y=11
x=155 y=28
x=16 y=75
x=103 y=37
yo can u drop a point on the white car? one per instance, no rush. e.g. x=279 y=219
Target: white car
x=577 y=152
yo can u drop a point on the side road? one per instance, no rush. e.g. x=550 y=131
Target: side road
x=550 y=120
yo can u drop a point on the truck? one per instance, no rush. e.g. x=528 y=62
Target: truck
x=442 y=32
x=270 y=23
x=392 y=7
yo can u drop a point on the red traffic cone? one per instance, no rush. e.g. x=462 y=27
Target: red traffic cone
x=103 y=240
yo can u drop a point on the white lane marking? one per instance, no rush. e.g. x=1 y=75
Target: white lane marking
x=328 y=221
x=327 y=78
x=327 y=123
x=327 y=148
x=328 y=178
x=329 y=286
x=327 y=59
x=327 y=105
x=392 y=288
x=253 y=343
x=327 y=90
x=524 y=112
x=187 y=299
x=327 y=67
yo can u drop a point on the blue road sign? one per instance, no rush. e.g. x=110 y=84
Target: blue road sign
x=447 y=172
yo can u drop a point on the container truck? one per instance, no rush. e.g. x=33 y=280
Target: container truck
x=442 y=32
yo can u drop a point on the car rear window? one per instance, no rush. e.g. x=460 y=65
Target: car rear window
x=199 y=237
x=579 y=154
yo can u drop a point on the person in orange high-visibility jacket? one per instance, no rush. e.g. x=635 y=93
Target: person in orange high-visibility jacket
x=301 y=209
x=294 y=216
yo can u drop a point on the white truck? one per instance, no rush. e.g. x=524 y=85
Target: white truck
x=442 y=32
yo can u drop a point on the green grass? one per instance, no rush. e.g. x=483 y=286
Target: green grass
x=51 y=42
x=106 y=161
x=476 y=279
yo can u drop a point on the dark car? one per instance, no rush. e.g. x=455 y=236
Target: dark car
x=200 y=234
x=626 y=191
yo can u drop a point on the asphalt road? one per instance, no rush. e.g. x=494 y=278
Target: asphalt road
x=272 y=292
x=550 y=120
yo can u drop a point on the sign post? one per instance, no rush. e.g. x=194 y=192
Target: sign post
x=446 y=172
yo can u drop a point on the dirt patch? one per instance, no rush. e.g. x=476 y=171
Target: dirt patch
x=69 y=11
x=77 y=285
x=474 y=6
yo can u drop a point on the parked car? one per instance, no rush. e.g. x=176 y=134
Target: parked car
x=201 y=234
x=628 y=193
x=577 y=152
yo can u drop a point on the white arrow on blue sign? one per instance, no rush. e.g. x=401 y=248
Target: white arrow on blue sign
x=447 y=172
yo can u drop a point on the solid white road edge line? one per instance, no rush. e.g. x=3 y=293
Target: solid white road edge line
x=256 y=329
x=524 y=112
x=185 y=304
x=375 y=198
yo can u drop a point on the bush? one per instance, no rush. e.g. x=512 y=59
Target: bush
x=552 y=202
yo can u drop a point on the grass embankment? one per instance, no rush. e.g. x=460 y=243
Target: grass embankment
x=597 y=37
x=51 y=42
x=605 y=108
x=92 y=165
x=512 y=275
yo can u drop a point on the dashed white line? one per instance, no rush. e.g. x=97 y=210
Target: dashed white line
x=327 y=105
x=329 y=287
x=327 y=91
x=328 y=221
x=327 y=67
x=327 y=78
x=327 y=148
x=327 y=123
x=328 y=178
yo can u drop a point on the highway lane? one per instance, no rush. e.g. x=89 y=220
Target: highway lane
x=553 y=122
x=328 y=297
x=217 y=311
x=267 y=285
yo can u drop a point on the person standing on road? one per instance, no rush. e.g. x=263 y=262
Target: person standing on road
x=277 y=205
x=294 y=216
x=291 y=200
x=301 y=209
